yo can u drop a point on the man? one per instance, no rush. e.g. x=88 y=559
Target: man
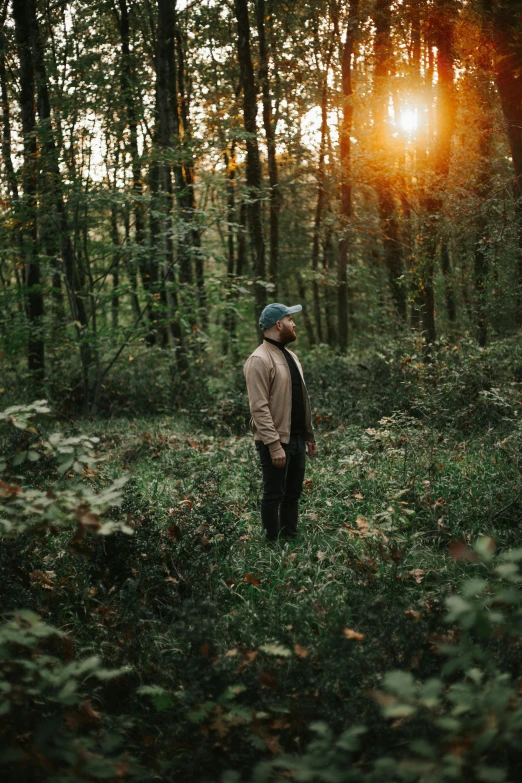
x=281 y=420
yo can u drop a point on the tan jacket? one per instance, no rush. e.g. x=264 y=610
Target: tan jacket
x=269 y=387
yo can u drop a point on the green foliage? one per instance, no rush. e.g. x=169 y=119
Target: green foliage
x=62 y=503
x=234 y=650
x=462 y=725
x=50 y=726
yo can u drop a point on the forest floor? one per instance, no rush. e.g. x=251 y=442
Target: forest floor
x=233 y=652
x=246 y=644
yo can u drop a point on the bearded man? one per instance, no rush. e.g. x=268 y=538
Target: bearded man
x=281 y=420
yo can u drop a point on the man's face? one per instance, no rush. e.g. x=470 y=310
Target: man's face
x=287 y=333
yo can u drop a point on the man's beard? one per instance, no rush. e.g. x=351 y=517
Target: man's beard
x=287 y=335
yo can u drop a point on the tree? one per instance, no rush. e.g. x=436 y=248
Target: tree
x=253 y=163
x=346 y=184
x=22 y=13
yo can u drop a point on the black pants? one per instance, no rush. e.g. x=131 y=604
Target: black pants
x=282 y=488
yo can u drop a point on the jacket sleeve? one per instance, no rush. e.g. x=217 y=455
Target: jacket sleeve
x=258 y=387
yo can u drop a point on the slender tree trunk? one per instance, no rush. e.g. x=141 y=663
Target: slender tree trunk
x=115 y=299
x=241 y=258
x=268 y=123
x=506 y=31
x=321 y=171
x=253 y=164
x=50 y=163
x=384 y=68
x=12 y=182
x=159 y=307
x=130 y=103
x=167 y=133
x=34 y=295
x=483 y=192
x=230 y=317
x=444 y=19
x=346 y=185
x=309 y=327
x=194 y=249
x=329 y=293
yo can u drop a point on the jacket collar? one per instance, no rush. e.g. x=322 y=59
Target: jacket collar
x=274 y=344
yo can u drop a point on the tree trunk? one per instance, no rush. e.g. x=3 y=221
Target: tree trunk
x=253 y=164
x=167 y=137
x=130 y=103
x=12 y=182
x=50 y=162
x=35 y=301
x=482 y=191
x=443 y=25
x=268 y=123
x=346 y=185
x=384 y=67
x=329 y=293
x=229 y=324
x=321 y=181
x=193 y=249
x=241 y=239
x=506 y=28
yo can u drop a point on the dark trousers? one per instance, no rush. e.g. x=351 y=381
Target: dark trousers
x=282 y=488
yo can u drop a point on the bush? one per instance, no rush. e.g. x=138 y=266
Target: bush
x=51 y=725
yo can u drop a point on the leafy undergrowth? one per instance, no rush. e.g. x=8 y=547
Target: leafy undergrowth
x=168 y=641
x=230 y=648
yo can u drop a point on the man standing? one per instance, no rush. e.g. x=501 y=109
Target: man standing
x=281 y=420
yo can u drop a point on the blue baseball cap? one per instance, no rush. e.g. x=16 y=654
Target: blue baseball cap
x=275 y=312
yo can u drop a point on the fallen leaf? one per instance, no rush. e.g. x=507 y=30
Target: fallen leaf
x=300 y=651
x=349 y=633
x=414 y=614
x=321 y=555
x=418 y=573
x=38 y=577
x=460 y=551
x=174 y=532
x=358 y=496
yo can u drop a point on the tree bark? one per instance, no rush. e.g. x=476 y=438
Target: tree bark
x=482 y=191
x=130 y=104
x=384 y=66
x=50 y=162
x=230 y=316
x=167 y=138
x=34 y=295
x=443 y=26
x=268 y=123
x=253 y=164
x=506 y=33
x=193 y=244
x=346 y=185
x=321 y=182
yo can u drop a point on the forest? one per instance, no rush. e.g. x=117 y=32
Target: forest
x=168 y=168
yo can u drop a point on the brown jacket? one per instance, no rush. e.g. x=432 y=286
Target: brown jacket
x=269 y=387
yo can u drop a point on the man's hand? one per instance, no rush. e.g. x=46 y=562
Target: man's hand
x=278 y=458
x=311 y=448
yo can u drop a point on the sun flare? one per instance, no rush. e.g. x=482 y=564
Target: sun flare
x=408 y=120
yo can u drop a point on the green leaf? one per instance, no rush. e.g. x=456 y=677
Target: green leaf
x=276 y=649
x=491 y=774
